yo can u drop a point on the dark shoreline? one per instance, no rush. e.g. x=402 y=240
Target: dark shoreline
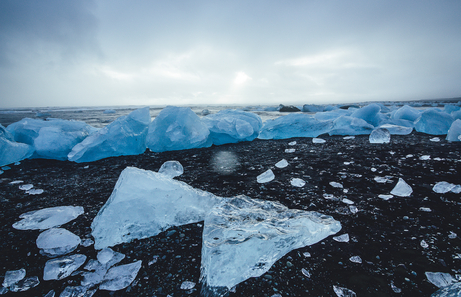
x=390 y=230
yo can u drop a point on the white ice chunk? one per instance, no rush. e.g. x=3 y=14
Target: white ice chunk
x=424 y=244
x=13 y=151
x=297 y=182
x=306 y=273
x=353 y=209
x=281 y=164
x=294 y=125
x=347 y=201
x=385 y=197
x=292 y=143
x=57 y=241
x=342 y=238
x=380 y=135
x=13 y=276
x=243 y=237
x=343 y=292
x=402 y=189
x=434 y=122
x=105 y=255
x=425 y=158
x=35 y=191
x=290 y=150
x=265 y=177
x=171 y=169
x=381 y=180
x=26 y=187
x=187 y=285
x=348 y=137
x=145 y=203
x=60 y=268
x=443 y=187
x=356 y=259
x=48 y=217
x=318 y=140
x=336 y=185
x=177 y=128
x=452 y=235
x=120 y=277
x=440 y=279
x=25 y=284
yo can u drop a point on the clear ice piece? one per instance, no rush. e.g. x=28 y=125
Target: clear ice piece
x=13 y=151
x=440 y=279
x=290 y=150
x=26 y=187
x=297 y=182
x=356 y=259
x=105 y=255
x=306 y=273
x=343 y=292
x=48 y=217
x=187 y=285
x=434 y=122
x=25 y=284
x=385 y=197
x=13 y=276
x=281 y=164
x=402 y=189
x=443 y=187
x=265 y=177
x=35 y=191
x=57 y=241
x=60 y=268
x=120 y=277
x=243 y=237
x=424 y=244
x=318 y=140
x=342 y=238
x=336 y=185
x=380 y=135
x=171 y=169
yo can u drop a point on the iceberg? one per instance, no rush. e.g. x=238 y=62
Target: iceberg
x=145 y=203
x=294 y=125
x=171 y=169
x=455 y=131
x=60 y=268
x=402 y=189
x=369 y=114
x=407 y=113
x=232 y=126
x=243 y=237
x=346 y=125
x=48 y=217
x=57 y=242
x=380 y=135
x=120 y=277
x=434 y=122
x=177 y=128
x=12 y=152
x=124 y=136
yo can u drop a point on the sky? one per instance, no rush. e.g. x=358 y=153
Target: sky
x=251 y=52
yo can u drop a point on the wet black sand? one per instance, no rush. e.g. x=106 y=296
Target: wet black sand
x=385 y=234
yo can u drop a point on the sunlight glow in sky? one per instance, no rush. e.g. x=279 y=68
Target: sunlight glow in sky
x=114 y=52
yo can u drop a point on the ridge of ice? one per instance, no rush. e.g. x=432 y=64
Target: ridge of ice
x=48 y=217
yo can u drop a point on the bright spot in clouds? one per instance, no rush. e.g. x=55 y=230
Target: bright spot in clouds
x=241 y=78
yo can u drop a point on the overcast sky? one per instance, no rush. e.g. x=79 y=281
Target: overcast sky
x=110 y=52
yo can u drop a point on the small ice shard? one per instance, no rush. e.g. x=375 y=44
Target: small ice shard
x=120 y=277
x=57 y=241
x=25 y=284
x=452 y=235
x=347 y=201
x=16 y=182
x=381 y=180
x=425 y=209
x=380 y=135
x=243 y=237
x=292 y=143
x=353 y=209
x=78 y=291
x=342 y=238
x=452 y=290
x=187 y=285
x=443 y=187
x=402 y=189
x=424 y=244
x=373 y=169
x=13 y=276
x=329 y=196
x=35 y=191
x=385 y=197
x=336 y=185
x=105 y=255
x=51 y=293
x=290 y=150
x=306 y=273
x=297 y=182
x=343 y=292
x=307 y=254
x=435 y=139
x=348 y=137
x=456 y=189
x=425 y=158
x=145 y=203
x=265 y=177
x=440 y=279
x=356 y=259
x=26 y=187
x=318 y=140
x=281 y=164
x=60 y=268
x=48 y=217
x=395 y=288
x=171 y=169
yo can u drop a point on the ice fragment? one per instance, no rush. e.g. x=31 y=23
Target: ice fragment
x=380 y=135
x=171 y=169
x=290 y=150
x=424 y=244
x=120 y=277
x=13 y=276
x=385 y=197
x=57 y=241
x=78 y=291
x=356 y=259
x=336 y=185
x=318 y=140
x=443 y=187
x=402 y=189
x=297 y=182
x=453 y=290
x=343 y=292
x=281 y=164
x=305 y=273
x=265 y=177
x=342 y=238
x=35 y=191
x=25 y=284
x=440 y=279
x=187 y=285
x=60 y=268
x=452 y=235
x=48 y=217
x=26 y=187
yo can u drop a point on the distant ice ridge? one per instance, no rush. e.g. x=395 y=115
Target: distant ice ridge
x=125 y=136
x=177 y=128
x=145 y=203
x=231 y=126
x=243 y=237
x=51 y=139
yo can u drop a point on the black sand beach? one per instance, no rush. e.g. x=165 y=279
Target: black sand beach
x=385 y=234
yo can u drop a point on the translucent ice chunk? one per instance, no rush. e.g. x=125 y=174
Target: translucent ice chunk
x=145 y=203
x=353 y=209
x=60 y=268
x=402 y=189
x=105 y=255
x=396 y=129
x=13 y=276
x=297 y=182
x=381 y=180
x=424 y=244
x=171 y=169
x=342 y=238
x=281 y=164
x=443 y=187
x=187 y=285
x=57 y=241
x=290 y=150
x=25 y=284
x=265 y=177
x=455 y=131
x=318 y=140
x=78 y=291
x=243 y=237
x=48 y=217
x=440 y=279
x=35 y=191
x=385 y=197
x=306 y=273
x=292 y=143
x=120 y=277
x=343 y=292
x=435 y=139
x=347 y=201
x=99 y=269
x=336 y=185
x=453 y=290
x=452 y=235
x=356 y=259
x=380 y=135
x=434 y=122
x=26 y=187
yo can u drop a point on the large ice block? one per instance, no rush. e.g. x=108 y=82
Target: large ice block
x=12 y=152
x=454 y=131
x=294 y=125
x=145 y=203
x=406 y=113
x=434 y=122
x=231 y=126
x=124 y=136
x=346 y=125
x=369 y=114
x=177 y=128
x=243 y=237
